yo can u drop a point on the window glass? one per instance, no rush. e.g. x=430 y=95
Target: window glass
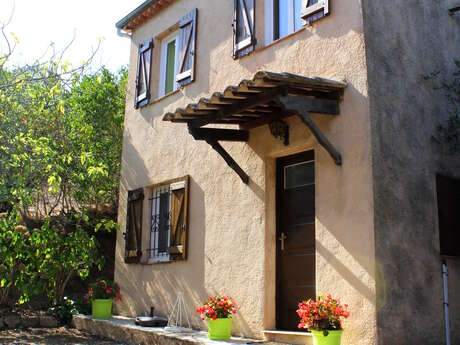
x=170 y=66
x=286 y=17
x=160 y=224
x=283 y=17
x=297 y=14
x=298 y=175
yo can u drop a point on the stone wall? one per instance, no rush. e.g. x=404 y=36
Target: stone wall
x=406 y=41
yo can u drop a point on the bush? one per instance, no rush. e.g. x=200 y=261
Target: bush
x=57 y=256
x=64 y=311
x=44 y=260
x=13 y=251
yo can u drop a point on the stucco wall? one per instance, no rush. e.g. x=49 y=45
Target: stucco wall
x=232 y=240
x=405 y=42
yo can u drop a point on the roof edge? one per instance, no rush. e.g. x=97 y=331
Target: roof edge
x=134 y=13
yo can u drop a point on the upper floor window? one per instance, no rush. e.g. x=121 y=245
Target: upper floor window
x=168 y=64
x=283 y=17
x=286 y=17
x=174 y=61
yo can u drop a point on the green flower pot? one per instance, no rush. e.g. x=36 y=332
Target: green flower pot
x=102 y=308
x=333 y=337
x=220 y=329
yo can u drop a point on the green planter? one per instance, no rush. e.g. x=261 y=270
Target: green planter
x=220 y=329
x=102 y=308
x=333 y=338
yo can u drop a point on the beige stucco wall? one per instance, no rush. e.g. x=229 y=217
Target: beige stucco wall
x=231 y=246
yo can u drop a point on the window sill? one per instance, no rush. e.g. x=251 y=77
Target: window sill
x=159 y=99
x=284 y=38
x=157 y=261
x=277 y=332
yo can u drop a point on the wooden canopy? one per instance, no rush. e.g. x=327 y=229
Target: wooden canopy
x=266 y=99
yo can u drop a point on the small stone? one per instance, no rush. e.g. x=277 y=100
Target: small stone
x=47 y=321
x=12 y=321
x=31 y=321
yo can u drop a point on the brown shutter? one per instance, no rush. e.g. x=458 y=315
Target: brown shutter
x=243 y=27
x=187 y=38
x=133 y=234
x=314 y=9
x=448 y=194
x=179 y=210
x=142 y=95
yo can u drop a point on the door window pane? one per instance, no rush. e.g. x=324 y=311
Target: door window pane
x=298 y=175
x=170 y=64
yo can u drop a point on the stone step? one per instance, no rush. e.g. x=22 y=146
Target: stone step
x=124 y=330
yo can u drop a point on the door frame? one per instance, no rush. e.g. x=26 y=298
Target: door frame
x=309 y=155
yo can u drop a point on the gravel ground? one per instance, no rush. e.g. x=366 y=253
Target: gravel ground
x=52 y=336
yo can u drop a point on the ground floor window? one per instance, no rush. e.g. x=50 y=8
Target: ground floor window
x=168 y=221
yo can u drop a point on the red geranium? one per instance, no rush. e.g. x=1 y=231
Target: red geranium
x=103 y=289
x=322 y=314
x=217 y=307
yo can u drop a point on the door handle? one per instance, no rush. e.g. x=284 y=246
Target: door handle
x=282 y=238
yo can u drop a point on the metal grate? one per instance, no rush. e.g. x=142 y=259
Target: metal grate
x=160 y=223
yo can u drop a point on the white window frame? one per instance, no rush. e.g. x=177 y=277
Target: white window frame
x=163 y=61
x=153 y=255
x=269 y=20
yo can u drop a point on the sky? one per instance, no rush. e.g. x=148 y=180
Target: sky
x=37 y=23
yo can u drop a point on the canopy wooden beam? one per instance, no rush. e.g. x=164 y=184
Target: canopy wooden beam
x=218 y=134
x=239 y=107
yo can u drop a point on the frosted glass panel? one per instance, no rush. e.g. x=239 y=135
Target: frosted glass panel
x=298 y=175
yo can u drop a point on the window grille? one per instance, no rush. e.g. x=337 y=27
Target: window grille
x=160 y=224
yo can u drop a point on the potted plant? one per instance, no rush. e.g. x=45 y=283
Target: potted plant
x=218 y=310
x=323 y=317
x=101 y=295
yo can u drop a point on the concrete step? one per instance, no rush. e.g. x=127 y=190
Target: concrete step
x=124 y=330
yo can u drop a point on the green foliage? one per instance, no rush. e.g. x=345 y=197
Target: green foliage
x=64 y=310
x=449 y=133
x=43 y=261
x=55 y=257
x=60 y=138
x=13 y=251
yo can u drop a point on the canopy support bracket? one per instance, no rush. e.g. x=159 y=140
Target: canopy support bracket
x=229 y=160
x=212 y=135
x=302 y=106
x=324 y=142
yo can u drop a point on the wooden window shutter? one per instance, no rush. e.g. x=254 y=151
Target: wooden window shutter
x=448 y=194
x=187 y=42
x=243 y=27
x=133 y=234
x=144 y=58
x=179 y=214
x=314 y=9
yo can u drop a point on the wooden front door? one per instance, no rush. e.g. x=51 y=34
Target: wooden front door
x=295 y=248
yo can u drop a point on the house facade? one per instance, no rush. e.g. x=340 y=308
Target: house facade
x=277 y=150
